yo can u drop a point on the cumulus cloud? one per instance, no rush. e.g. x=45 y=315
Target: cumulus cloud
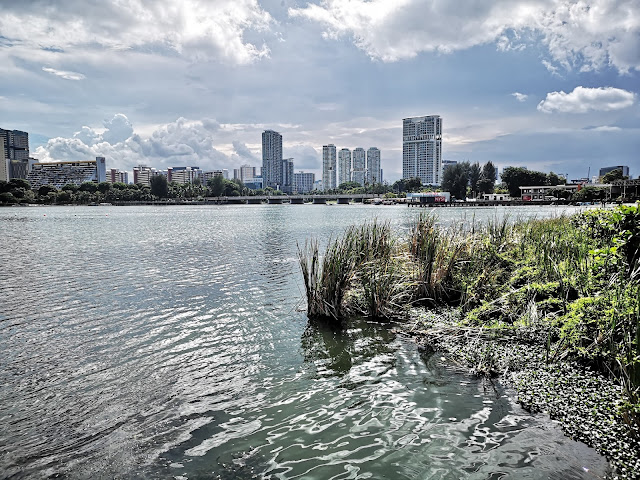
x=521 y=97
x=583 y=100
x=179 y=143
x=586 y=34
x=64 y=74
x=197 y=29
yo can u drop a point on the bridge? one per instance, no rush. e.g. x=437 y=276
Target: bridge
x=342 y=199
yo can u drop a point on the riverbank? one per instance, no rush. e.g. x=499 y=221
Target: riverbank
x=552 y=305
x=587 y=405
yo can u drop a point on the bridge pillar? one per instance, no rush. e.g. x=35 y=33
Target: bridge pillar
x=297 y=200
x=254 y=201
x=343 y=201
x=358 y=199
x=319 y=201
x=275 y=200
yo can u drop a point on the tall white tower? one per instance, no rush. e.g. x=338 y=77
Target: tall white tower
x=373 y=166
x=344 y=166
x=422 y=149
x=329 y=167
x=359 y=171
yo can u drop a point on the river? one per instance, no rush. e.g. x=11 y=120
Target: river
x=170 y=342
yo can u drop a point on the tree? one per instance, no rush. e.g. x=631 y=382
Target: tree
x=516 y=177
x=70 y=187
x=559 y=192
x=45 y=190
x=455 y=180
x=413 y=184
x=119 y=186
x=487 y=181
x=19 y=183
x=554 y=179
x=216 y=185
x=614 y=175
x=104 y=187
x=159 y=186
x=90 y=187
x=474 y=177
x=345 y=186
x=589 y=194
x=7 y=197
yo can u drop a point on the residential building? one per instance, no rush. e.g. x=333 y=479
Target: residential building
x=373 y=166
x=117 y=176
x=4 y=163
x=244 y=172
x=59 y=174
x=287 y=175
x=142 y=174
x=271 y=159
x=183 y=175
x=344 y=166
x=422 y=149
x=605 y=170
x=16 y=144
x=329 y=167
x=303 y=182
x=359 y=172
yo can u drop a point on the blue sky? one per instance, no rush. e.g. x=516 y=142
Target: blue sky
x=547 y=84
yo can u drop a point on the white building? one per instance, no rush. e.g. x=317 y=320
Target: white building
x=244 y=172
x=422 y=149
x=373 y=166
x=59 y=174
x=344 y=166
x=303 y=182
x=329 y=167
x=359 y=172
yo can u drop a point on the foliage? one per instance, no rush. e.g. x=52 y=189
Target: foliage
x=455 y=180
x=487 y=178
x=475 y=173
x=515 y=177
x=614 y=175
x=554 y=179
x=159 y=186
x=590 y=194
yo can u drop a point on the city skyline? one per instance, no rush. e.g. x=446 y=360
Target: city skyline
x=548 y=84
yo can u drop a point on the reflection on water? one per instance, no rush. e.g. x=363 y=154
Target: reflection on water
x=166 y=343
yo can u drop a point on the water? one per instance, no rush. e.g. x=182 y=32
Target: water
x=168 y=342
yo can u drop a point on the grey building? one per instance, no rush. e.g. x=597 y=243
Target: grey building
x=359 y=171
x=422 y=148
x=373 y=166
x=344 y=166
x=329 y=167
x=303 y=182
x=271 y=159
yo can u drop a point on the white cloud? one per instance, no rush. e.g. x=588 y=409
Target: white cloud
x=64 y=74
x=521 y=97
x=197 y=29
x=180 y=143
x=587 y=34
x=583 y=100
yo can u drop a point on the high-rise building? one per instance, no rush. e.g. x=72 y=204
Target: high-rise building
x=303 y=182
x=244 y=173
x=329 y=167
x=117 y=176
x=359 y=171
x=182 y=175
x=271 y=159
x=373 y=166
x=624 y=168
x=16 y=144
x=142 y=174
x=287 y=175
x=422 y=149
x=4 y=163
x=344 y=166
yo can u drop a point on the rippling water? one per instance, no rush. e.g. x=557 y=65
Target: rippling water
x=151 y=342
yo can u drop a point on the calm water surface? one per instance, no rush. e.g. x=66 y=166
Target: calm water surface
x=151 y=342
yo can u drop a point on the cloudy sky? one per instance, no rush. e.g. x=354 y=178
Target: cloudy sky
x=547 y=84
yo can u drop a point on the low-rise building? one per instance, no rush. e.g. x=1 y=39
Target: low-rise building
x=59 y=174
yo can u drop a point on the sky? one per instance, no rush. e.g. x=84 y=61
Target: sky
x=547 y=84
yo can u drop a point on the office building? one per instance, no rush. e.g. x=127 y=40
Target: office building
x=344 y=166
x=59 y=174
x=16 y=144
x=329 y=167
x=373 y=166
x=359 y=171
x=624 y=168
x=271 y=159
x=422 y=149
x=303 y=182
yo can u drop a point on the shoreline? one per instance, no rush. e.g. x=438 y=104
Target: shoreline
x=585 y=404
